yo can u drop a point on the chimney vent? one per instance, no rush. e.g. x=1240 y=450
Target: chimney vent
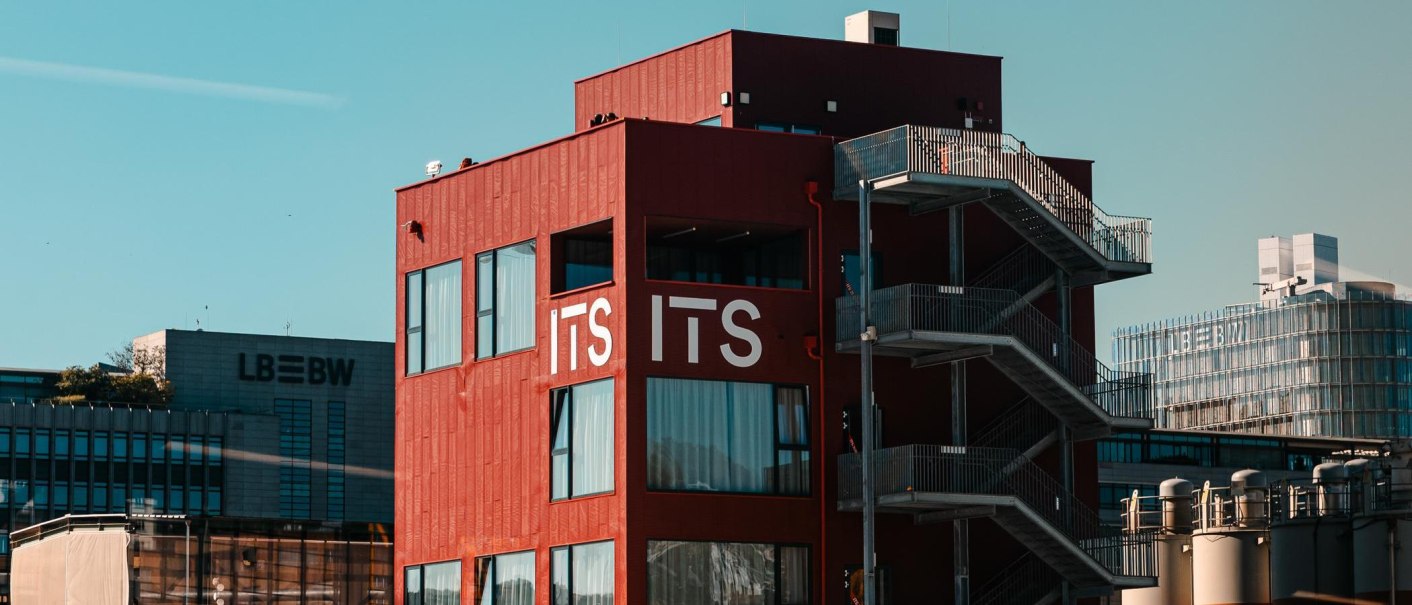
x=873 y=27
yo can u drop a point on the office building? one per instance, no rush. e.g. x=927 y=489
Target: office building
x=1320 y=359
x=628 y=359
x=262 y=427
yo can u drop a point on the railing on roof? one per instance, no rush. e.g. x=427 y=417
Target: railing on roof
x=995 y=472
x=921 y=307
x=991 y=155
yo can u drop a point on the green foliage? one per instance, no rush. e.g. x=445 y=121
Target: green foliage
x=145 y=380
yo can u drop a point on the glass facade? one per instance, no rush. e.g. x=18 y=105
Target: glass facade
x=1307 y=366
x=703 y=573
x=337 y=453
x=295 y=451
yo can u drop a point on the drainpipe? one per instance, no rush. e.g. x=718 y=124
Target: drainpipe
x=960 y=529
x=811 y=189
x=865 y=281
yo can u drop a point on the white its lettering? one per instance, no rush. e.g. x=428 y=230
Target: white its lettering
x=747 y=336
x=598 y=352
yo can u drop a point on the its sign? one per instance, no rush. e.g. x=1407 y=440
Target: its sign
x=744 y=349
x=296 y=369
x=598 y=351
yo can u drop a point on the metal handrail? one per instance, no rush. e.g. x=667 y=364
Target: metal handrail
x=1020 y=426
x=991 y=155
x=1020 y=271
x=1023 y=582
x=922 y=307
x=999 y=472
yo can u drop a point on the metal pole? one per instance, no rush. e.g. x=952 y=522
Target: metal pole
x=1066 y=443
x=186 y=594
x=961 y=528
x=865 y=283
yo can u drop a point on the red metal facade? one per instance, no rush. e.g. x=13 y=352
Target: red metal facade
x=473 y=440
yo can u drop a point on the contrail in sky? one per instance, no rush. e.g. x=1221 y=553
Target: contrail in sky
x=192 y=86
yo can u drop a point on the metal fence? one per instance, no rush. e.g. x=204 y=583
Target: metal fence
x=991 y=155
x=931 y=308
x=1000 y=472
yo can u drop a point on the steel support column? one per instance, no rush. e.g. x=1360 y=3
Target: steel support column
x=960 y=528
x=865 y=285
x=1066 y=441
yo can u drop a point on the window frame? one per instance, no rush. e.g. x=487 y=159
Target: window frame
x=479 y=597
x=421 y=580
x=491 y=309
x=569 y=450
x=559 y=245
x=568 y=549
x=806 y=447
x=779 y=548
x=421 y=310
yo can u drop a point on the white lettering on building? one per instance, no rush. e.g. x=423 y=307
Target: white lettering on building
x=742 y=354
x=598 y=352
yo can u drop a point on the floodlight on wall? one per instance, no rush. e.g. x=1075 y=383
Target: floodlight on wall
x=412 y=228
x=726 y=99
x=832 y=106
x=743 y=97
x=678 y=233
x=731 y=237
x=433 y=167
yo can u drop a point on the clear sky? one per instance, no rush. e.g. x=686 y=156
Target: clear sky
x=164 y=162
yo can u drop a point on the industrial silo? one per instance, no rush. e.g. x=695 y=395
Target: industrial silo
x=1311 y=539
x=1173 y=527
x=1230 y=549
x=1382 y=533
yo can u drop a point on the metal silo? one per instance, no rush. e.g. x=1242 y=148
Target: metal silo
x=1230 y=548
x=1382 y=532
x=1171 y=520
x=1311 y=538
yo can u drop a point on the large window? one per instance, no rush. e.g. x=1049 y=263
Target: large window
x=434 y=317
x=582 y=574
x=432 y=584
x=505 y=579
x=505 y=300
x=705 y=435
x=582 y=257
x=715 y=252
x=787 y=127
x=707 y=573
x=581 y=447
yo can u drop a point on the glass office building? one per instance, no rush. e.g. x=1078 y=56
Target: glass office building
x=1335 y=361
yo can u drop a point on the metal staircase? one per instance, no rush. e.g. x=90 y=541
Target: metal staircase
x=959 y=482
x=1027 y=427
x=1026 y=271
x=929 y=169
x=1026 y=581
x=940 y=324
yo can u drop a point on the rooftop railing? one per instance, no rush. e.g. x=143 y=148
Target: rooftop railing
x=990 y=155
x=921 y=307
x=994 y=472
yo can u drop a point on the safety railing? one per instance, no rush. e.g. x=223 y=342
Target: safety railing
x=1023 y=582
x=920 y=307
x=991 y=155
x=983 y=471
x=1021 y=271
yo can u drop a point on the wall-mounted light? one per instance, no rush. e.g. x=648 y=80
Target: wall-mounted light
x=433 y=167
x=831 y=106
x=413 y=228
x=726 y=99
x=677 y=233
x=731 y=237
x=743 y=97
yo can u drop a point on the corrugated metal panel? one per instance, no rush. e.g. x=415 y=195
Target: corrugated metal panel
x=681 y=85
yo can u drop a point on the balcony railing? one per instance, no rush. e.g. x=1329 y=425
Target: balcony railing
x=920 y=307
x=993 y=471
x=990 y=155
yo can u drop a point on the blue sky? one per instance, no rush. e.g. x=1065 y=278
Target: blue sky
x=160 y=158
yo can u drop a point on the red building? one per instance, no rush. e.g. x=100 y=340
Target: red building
x=628 y=365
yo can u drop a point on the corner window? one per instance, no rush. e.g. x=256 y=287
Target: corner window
x=432 y=584
x=702 y=573
x=582 y=574
x=505 y=579
x=717 y=252
x=582 y=257
x=717 y=436
x=434 y=317
x=505 y=300
x=581 y=448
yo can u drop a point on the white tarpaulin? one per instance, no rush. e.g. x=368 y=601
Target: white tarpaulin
x=79 y=567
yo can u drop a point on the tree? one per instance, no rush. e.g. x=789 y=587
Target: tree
x=142 y=379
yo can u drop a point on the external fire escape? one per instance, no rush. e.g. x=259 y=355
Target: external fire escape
x=1070 y=395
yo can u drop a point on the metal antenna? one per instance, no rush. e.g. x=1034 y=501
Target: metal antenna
x=288 y=327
